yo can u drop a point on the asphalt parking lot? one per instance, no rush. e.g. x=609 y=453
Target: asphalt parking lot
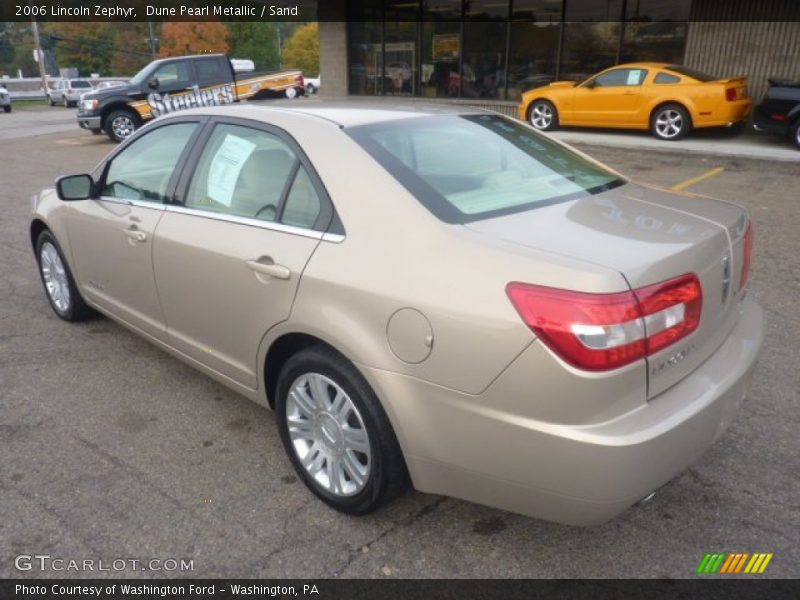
x=111 y=449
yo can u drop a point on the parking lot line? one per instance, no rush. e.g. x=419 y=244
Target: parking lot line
x=708 y=174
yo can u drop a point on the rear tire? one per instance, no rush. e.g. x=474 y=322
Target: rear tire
x=50 y=101
x=310 y=89
x=543 y=115
x=120 y=125
x=670 y=122
x=341 y=443
x=7 y=108
x=59 y=285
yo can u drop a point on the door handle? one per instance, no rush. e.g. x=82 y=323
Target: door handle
x=629 y=93
x=136 y=235
x=266 y=266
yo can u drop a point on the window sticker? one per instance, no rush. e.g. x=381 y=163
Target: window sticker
x=633 y=76
x=226 y=166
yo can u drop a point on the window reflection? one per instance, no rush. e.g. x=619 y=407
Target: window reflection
x=497 y=49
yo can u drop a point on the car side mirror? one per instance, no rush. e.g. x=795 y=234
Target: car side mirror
x=74 y=187
x=153 y=83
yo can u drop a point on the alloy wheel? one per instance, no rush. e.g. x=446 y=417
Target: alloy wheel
x=122 y=126
x=669 y=123
x=328 y=435
x=55 y=277
x=541 y=116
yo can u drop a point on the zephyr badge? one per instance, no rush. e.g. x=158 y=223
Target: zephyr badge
x=726 y=277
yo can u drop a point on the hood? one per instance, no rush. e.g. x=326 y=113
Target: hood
x=102 y=94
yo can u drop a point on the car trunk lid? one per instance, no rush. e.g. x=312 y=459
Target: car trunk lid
x=649 y=236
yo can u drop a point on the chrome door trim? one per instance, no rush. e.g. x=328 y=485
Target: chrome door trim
x=124 y=201
x=290 y=229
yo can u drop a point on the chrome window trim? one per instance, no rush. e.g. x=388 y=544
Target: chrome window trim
x=140 y=203
x=290 y=229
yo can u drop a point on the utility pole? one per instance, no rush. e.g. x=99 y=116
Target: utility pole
x=39 y=55
x=152 y=40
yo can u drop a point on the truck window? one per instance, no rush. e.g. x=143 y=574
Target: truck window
x=212 y=71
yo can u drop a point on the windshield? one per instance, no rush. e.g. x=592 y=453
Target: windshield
x=140 y=77
x=466 y=168
x=80 y=84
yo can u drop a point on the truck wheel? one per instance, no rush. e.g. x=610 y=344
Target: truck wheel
x=291 y=92
x=50 y=100
x=310 y=89
x=796 y=134
x=7 y=108
x=120 y=125
x=65 y=102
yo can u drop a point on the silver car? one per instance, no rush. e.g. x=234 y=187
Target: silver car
x=5 y=99
x=68 y=92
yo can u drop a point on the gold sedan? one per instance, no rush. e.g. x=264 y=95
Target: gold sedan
x=433 y=297
x=669 y=100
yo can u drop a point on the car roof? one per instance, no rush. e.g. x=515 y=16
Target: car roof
x=341 y=113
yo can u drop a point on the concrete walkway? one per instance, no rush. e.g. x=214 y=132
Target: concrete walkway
x=706 y=143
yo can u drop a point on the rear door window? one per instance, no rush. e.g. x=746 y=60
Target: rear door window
x=251 y=173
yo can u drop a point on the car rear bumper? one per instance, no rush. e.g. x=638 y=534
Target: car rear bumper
x=729 y=114
x=472 y=447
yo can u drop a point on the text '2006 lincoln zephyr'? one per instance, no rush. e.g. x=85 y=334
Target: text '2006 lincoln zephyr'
x=425 y=296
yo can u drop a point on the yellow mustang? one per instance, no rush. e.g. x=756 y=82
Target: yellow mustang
x=669 y=100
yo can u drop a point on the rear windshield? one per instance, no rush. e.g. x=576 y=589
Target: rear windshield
x=698 y=75
x=80 y=84
x=469 y=167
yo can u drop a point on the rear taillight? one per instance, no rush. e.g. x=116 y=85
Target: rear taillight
x=747 y=253
x=599 y=332
x=730 y=94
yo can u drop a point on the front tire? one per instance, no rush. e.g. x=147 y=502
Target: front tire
x=670 y=122
x=59 y=285
x=543 y=115
x=310 y=89
x=336 y=433
x=7 y=108
x=796 y=133
x=120 y=125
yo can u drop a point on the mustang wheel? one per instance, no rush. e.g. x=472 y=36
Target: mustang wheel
x=336 y=433
x=120 y=125
x=543 y=115
x=58 y=281
x=670 y=122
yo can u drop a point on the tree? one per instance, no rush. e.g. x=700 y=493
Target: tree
x=302 y=49
x=178 y=39
x=85 y=46
x=256 y=41
x=131 y=49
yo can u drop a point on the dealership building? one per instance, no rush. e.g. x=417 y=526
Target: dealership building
x=486 y=52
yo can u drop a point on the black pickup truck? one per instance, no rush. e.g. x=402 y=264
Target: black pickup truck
x=171 y=84
x=779 y=112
